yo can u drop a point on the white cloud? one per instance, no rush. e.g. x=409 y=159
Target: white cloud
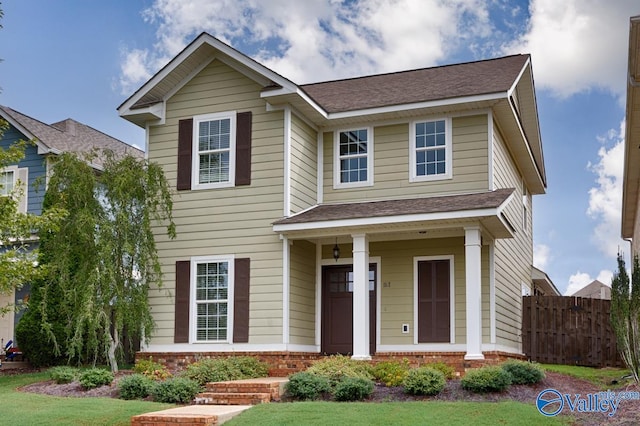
x=541 y=256
x=572 y=44
x=317 y=40
x=605 y=199
x=582 y=279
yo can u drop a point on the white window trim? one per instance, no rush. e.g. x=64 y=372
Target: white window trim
x=20 y=186
x=193 y=320
x=452 y=294
x=336 y=159
x=195 y=157
x=14 y=172
x=413 y=177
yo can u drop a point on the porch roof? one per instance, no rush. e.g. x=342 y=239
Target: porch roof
x=380 y=216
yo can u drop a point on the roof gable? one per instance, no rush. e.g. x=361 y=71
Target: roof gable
x=66 y=136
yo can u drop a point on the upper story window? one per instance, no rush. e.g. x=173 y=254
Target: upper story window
x=7 y=179
x=430 y=150
x=353 y=158
x=214 y=140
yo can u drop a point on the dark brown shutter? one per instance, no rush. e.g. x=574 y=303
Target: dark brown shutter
x=241 y=300
x=181 y=331
x=243 y=148
x=185 y=140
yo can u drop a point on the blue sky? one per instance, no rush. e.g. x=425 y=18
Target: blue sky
x=81 y=59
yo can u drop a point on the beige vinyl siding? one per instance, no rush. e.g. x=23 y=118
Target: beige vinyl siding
x=391 y=164
x=224 y=221
x=304 y=165
x=302 y=301
x=513 y=256
x=397 y=285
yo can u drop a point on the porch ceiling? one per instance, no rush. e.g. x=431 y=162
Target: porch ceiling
x=445 y=214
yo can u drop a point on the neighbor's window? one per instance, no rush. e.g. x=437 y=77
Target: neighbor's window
x=212 y=301
x=353 y=159
x=6 y=182
x=214 y=149
x=430 y=150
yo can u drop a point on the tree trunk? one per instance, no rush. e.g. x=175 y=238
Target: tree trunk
x=113 y=345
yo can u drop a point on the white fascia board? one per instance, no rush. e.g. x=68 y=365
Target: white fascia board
x=290 y=87
x=518 y=78
x=288 y=91
x=385 y=220
x=525 y=140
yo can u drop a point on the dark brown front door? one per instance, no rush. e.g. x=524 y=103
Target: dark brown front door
x=434 y=322
x=337 y=309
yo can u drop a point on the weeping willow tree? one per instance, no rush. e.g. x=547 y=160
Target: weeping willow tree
x=625 y=314
x=102 y=260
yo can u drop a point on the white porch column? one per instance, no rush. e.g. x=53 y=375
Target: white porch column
x=361 y=297
x=473 y=269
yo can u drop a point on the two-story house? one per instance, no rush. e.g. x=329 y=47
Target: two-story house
x=388 y=214
x=31 y=173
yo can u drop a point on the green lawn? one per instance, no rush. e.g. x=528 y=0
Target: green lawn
x=601 y=377
x=20 y=408
x=396 y=413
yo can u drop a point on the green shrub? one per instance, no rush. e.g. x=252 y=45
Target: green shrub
x=448 y=371
x=353 y=389
x=249 y=367
x=424 y=381
x=135 y=386
x=63 y=374
x=151 y=369
x=212 y=370
x=523 y=372
x=95 y=377
x=178 y=390
x=338 y=367
x=306 y=386
x=391 y=373
x=486 y=379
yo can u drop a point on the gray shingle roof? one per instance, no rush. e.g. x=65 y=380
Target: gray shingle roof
x=442 y=204
x=421 y=85
x=69 y=136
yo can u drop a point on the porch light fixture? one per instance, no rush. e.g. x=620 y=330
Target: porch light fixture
x=336 y=251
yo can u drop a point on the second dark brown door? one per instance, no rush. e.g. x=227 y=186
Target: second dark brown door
x=434 y=301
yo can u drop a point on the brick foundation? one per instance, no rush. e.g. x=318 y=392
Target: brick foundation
x=282 y=364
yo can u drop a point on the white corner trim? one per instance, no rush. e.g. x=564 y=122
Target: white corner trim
x=287 y=161
x=286 y=260
x=320 y=167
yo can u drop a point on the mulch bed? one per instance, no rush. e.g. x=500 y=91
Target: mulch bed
x=628 y=412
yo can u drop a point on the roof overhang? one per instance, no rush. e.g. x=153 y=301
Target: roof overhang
x=491 y=219
x=631 y=175
x=42 y=147
x=542 y=280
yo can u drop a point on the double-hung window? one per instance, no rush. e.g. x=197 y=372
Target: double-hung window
x=212 y=299
x=430 y=150
x=7 y=179
x=353 y=159
x=214 y=140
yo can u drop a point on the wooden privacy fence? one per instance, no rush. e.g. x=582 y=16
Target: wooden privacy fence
x=569 y=330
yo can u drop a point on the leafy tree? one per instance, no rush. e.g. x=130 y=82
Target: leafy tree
x=625 y=314
x=102 y=260
x=18 y=230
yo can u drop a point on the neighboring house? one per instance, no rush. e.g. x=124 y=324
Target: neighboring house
x=542 y=284
x=31 y=172
x=631 y=176
x=387 y=214
x=594 y=290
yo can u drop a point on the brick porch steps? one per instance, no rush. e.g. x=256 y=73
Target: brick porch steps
x=220 y=402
